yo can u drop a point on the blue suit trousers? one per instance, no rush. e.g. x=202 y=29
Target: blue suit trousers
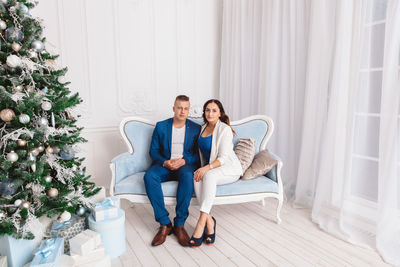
x=153 y=179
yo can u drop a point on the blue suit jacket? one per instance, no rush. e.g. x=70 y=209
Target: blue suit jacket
x=160 y=148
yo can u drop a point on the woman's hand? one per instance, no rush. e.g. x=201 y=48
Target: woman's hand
x=199 y=173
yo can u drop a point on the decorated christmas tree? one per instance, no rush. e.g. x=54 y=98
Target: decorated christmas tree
x=39 y=172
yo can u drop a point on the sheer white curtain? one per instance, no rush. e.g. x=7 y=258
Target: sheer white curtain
x=331 y=84
x=263 y=67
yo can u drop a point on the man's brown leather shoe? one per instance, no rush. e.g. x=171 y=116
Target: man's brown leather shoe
x=182 y=235
x=161 y=235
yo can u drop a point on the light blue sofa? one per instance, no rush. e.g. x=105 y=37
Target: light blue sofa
x=129 y=168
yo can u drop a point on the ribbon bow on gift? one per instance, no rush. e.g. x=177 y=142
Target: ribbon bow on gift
x=105 y=204
x=47 y=248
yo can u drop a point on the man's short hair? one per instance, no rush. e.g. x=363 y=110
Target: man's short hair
x=182 y=98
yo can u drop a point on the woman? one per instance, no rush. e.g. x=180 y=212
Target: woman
x=219 y=166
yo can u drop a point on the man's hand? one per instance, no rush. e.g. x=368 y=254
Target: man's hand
x=174 y=164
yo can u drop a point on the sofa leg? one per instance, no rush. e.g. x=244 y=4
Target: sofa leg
x=278 y=211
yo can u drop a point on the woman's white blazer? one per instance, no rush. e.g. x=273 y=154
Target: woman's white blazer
x=222 y=150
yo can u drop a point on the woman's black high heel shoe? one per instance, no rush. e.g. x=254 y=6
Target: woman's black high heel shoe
x=210 y=239
x=197 y=241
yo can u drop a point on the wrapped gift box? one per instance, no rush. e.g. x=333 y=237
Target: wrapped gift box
x=84 y=243
x=68 y=229
x=112 y=233
x=46 y=255
x=103 y=262
x=105 y=210
x=18 y=251
x=3 y=261
x=95 y=255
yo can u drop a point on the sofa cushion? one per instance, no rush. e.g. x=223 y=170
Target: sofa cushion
x=263 y=162
x=245 y=151
x=134 y=184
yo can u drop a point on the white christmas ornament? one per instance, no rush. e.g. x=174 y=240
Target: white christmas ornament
x=48 y=178
x=53 y=192
x=12 y=156
x=65 y=216
x=46 y=105
x=3 y=25
x=13 y=61
x=18 y=202
x=24 y=118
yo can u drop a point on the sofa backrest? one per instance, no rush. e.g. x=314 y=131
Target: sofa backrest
x=137 y=134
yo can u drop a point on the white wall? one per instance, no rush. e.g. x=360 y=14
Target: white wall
x=131 y=58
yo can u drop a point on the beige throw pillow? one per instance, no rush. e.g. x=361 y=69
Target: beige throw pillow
x=245 y=151
x=262 y=163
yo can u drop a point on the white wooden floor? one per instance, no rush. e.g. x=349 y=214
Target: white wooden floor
x=247 y=235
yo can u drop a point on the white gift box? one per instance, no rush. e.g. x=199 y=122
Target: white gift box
x=95 y=255
x=65 y=261
x=84 y=242
x=3 y=261
x=103 y=262
x=105 y=212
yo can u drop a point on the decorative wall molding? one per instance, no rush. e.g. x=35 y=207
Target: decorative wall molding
x=132 y=57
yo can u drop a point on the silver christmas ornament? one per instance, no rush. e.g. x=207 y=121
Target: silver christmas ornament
x=40 y=148
x=46 y=105
x=53 y=192
x=13 y=34
x=16 y=46
x=24 y=118
x=45 y=90
x=4 y=2
x=18 y=202
x=43 y=121
x=80 y=211
x=21 y=142
x=13 y=61
x=48 y=178
x=49 y=150
x=25 y=205
x=24 y=9
x=35 y=151
x=3 y=25
x=12 y=156
x=19 y=88
x=67 y=153
x=32 y=54
x=37 y=45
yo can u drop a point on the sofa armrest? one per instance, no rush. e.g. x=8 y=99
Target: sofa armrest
x=124 y=165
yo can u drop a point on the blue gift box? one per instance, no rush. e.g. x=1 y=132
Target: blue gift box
x=112 y=233
x=46 y=255
x=18 y=251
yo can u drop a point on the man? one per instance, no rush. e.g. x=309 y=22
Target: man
x=175 y=156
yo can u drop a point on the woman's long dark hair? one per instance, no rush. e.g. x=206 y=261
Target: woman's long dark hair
x=224 y=118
